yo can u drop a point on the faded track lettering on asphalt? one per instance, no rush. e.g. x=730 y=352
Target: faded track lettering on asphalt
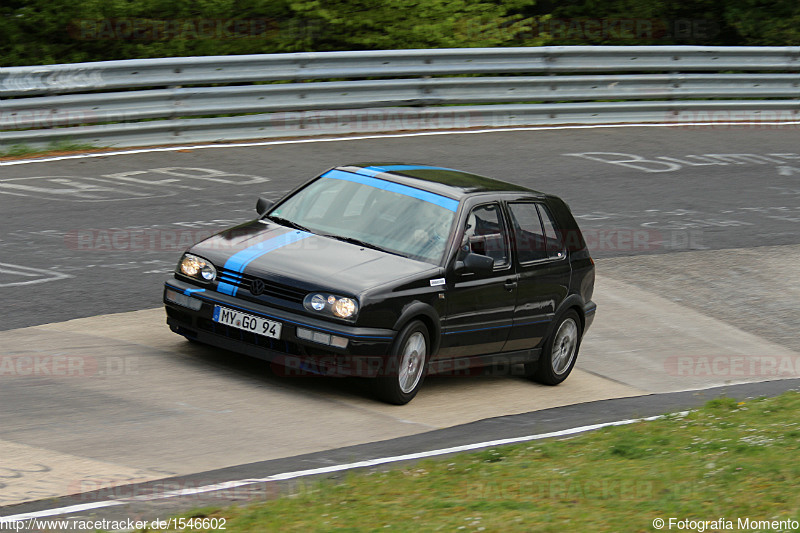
x=129 y=185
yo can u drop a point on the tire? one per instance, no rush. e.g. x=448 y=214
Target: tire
x=559 y=353
x=404 y=372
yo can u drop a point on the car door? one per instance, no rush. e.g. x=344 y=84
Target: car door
x=543 y=269
x=480 y=306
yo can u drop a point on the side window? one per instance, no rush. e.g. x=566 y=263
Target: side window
x=485 y=234
x=535 y=232
x=553 y=245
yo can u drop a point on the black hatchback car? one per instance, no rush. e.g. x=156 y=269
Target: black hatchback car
x=393 y=271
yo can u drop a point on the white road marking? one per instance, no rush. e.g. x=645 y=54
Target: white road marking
x=18 y=270
x=122 y=186
x=75 y=188
x=385 y=136
x=323 y=470
x=788 y=171
x=671 y=164
x=5 y=270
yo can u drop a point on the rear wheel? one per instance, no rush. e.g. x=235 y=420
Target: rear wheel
x=559 y=353
x=404 y=372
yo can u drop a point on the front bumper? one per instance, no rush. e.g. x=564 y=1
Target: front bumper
x=365 y=354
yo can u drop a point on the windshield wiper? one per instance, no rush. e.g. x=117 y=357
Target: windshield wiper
x=352 y=240
x=286 y=222
x=365 y=244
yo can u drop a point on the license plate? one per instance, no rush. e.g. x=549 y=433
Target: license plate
x=246 y=322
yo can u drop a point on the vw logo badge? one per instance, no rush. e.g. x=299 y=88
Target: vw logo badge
x=257 y=287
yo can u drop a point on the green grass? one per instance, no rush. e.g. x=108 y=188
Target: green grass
x=728 y=459
x=17 y=150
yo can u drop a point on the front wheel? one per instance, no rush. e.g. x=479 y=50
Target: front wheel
x=405 y=369
x=559 y=353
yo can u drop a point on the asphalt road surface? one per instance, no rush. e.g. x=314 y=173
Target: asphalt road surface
x=116 y=225
x=695 y=231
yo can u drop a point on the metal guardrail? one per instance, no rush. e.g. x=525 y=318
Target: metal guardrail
x=541 y=85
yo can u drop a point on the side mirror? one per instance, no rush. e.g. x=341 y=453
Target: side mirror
x=479 y=264
x=263 y=205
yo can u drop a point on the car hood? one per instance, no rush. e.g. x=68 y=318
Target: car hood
x=306 y=260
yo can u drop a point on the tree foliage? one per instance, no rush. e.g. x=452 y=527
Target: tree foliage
x=774 y=23
x=64 y=31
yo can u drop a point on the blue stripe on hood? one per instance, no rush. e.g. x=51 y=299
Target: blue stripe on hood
x=239 y=261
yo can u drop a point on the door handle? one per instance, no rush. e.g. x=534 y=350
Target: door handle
x=510 y=284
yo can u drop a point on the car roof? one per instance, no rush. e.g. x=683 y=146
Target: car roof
x=440 y=180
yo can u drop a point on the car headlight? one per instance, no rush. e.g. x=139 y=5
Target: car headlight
x=338 y=306
x=197 y=267
x=344 y=308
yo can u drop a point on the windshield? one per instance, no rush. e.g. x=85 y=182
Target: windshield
x=381 y=214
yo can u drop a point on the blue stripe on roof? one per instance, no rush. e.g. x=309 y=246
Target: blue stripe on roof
x=370 y=171
x=433 y=198
x=389 y=168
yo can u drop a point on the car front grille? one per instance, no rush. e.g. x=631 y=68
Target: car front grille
x=271 y=288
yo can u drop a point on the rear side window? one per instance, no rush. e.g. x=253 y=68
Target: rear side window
x=554 y=244
x=535 y=232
